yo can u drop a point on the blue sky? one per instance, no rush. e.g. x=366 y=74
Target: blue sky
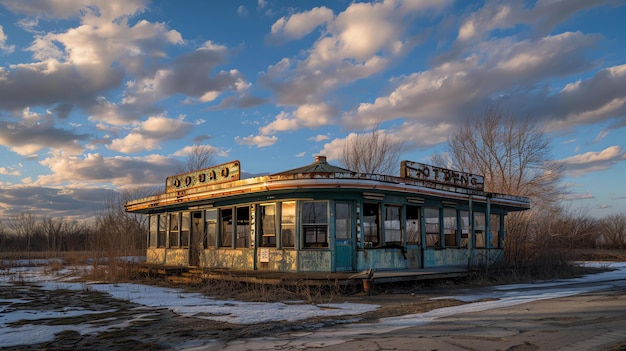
x=99 y=96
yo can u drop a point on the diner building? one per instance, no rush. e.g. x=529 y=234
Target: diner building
x=323 y=218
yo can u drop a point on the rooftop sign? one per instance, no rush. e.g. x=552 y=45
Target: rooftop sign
x=440 y=175
x=226 y=172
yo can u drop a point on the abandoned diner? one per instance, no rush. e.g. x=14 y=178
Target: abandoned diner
x=324 y=218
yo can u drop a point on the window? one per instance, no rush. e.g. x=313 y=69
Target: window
x=433 y=234
x=268 y=225
x=343 y=221
x=226 y=227
x=479 y=229
x=185 y=224
x=210 y=217
x=393 y=229
x=494 y=227
x=450 y=227
x=174 y=230
x=371 y=220
x=243 y=227
x=288 y=224
x=162 y=240
x=315 y=223
x=153 y=230
x=412 y=225
x=465 y=225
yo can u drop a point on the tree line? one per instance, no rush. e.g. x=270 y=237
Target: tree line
x=110 y=233
x=512 y=154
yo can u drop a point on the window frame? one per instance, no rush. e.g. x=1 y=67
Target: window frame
x=367 y=230
x=413 y=226
x=343 y=225
x=318 y=230
x=433 y=229
x=268 y=239
x=399 y=231
x=288 y=224
x=174 y=229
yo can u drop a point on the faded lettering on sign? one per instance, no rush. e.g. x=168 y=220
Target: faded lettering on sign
x=441 y=175
x=226 y=172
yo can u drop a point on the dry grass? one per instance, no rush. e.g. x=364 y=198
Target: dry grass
x=265 y=292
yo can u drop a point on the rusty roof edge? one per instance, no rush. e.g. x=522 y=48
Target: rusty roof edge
x=166 y=197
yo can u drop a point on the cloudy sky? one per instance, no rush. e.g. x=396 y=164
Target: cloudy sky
x=102 y=95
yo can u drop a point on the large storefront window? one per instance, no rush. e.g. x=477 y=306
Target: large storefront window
x=226 y=227
x=393 y=227
x=243 y=227
x=315 y=223
x=174 y=230
x=162 y=240
x=494 y=227
x=343 y=221
x=433 y=234
x=479 y=229
x=465 y=226
x=210 y=216
x=288 y=224
x=185 y=224
x=154 y=231
x=267 y=215
x=412 y=225
x=371 y=221
x=450 y=227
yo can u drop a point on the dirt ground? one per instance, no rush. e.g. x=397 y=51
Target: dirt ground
x=162 y=329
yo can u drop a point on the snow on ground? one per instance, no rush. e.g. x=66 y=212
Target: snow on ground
x=200 y=306
x=182 y=303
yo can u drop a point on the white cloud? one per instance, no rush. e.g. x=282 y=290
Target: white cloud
x=94 y=169
x=242 y=11
x=601 y=135
x=151 y=133
x=36 y=133
x=593 y=161
x=3 y=42
x=356 y=43
x=258 y=140
x=334 y=149
x=10 y=171
x=300 y=24
x=456 y=88
x=319 y=137
x=578 y=196
x=188 y=149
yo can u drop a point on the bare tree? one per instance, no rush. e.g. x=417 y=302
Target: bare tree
x=118 y=234
x=52 y=232
x=372 y=151
x=199 y=157
x=24 y=225
x=514 y=156
x=613 y=229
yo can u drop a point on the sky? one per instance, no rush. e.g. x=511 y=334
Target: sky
x=101 y=96
x=200 y=306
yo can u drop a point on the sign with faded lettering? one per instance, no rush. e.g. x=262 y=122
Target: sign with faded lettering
x=264 y=255
x=440 y=175
x=223 y=173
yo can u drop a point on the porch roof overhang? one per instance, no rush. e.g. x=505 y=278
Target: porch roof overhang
x=293 y=181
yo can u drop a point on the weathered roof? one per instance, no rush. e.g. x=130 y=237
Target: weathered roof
x=319 y=166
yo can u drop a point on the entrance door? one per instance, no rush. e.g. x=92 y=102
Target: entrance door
x=414 y=252
x=197 y=234
x=344 y=237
